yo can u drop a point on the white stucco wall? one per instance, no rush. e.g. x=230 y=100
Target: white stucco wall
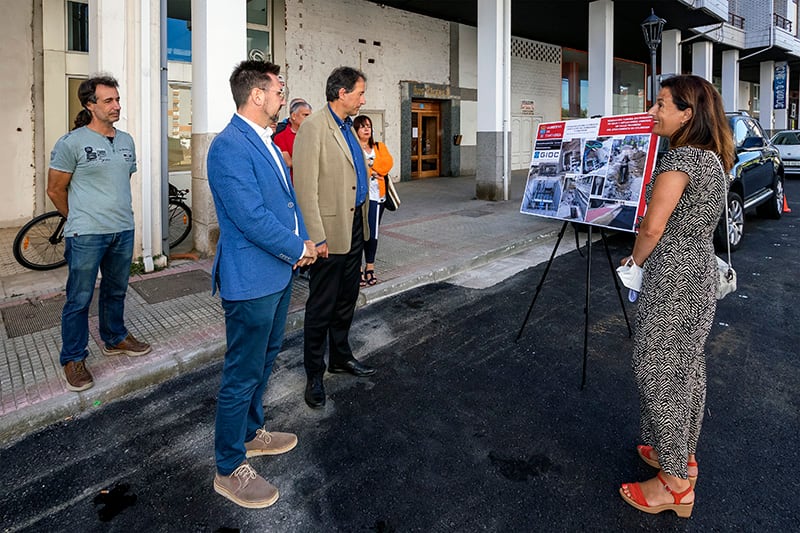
x=16 y=114
x=468 y=78
x=323 y=35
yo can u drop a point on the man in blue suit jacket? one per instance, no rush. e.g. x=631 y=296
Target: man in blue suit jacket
x=262 y=239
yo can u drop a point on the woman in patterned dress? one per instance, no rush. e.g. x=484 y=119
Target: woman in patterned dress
x=677 y=303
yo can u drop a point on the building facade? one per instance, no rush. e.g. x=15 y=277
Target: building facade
x=452 y=92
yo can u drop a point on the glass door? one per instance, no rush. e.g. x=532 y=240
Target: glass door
x=425 y=139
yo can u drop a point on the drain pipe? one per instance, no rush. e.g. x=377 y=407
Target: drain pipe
x=506 y=91
x=147 y=148
x=771 y=45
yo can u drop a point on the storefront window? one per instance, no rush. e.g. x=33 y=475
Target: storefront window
x=179 y=40
x=73 y=104
x=77 y=27
x=258 y=45
x=179 y=127
x=628 y=86
x=258 y=30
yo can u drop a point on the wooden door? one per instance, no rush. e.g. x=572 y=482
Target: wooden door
x=426 y=139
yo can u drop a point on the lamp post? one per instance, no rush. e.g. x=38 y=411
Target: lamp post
x=652 y=27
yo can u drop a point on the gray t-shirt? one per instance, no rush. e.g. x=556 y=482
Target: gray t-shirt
x=99 y=193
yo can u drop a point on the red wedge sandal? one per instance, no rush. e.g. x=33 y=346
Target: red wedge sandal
x=637 y=499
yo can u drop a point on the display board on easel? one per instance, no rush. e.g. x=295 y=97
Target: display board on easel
x=592 y=171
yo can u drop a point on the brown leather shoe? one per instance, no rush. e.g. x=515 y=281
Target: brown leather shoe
x=270 y=443
x=129 y=346
x=246 y=488
x=78 y=376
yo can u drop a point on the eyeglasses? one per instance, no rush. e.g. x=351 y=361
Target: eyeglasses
x=365 y=127
x=280 y=92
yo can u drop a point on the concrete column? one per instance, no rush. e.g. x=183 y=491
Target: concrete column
x=671 y=52
x=219 y=42
x=601 y=57
x=135 y=66
x=765 y=101
x=703 y=60
x=730 y=80
x=107 y=29
x=494 y=92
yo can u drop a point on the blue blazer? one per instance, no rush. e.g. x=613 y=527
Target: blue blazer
x=256 y=212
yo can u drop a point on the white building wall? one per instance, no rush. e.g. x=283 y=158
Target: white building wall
x=322 y=35
x=468 y=79
x=17 y=114
x=536 y=76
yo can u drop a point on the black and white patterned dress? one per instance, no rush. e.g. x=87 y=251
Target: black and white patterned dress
x=676 y=310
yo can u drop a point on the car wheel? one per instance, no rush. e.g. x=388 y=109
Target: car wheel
x=773 y=208
x=733 y=230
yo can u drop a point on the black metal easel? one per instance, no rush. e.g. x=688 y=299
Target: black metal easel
x=586 y=308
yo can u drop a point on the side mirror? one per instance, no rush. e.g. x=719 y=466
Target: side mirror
x=753 y=142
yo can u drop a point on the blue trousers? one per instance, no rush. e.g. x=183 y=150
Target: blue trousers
x=254 y=330
x=112 y=254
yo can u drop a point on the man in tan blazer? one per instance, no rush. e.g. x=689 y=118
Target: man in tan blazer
x=330 y=178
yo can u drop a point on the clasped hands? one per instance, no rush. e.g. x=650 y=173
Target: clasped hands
x=309 y=256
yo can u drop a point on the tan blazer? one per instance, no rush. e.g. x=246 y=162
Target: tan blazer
x=325 y=182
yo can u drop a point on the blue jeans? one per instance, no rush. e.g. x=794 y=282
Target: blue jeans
x=112 y=254
x=254 y=331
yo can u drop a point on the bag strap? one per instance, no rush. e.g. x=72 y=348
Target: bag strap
x=725 y=199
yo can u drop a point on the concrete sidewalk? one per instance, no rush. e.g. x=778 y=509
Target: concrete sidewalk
x=440 y=230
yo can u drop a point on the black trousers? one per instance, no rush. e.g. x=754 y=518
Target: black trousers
x=333 y=292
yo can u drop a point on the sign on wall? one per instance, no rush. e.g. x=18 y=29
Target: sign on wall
x=591 y=171
x=779 y=85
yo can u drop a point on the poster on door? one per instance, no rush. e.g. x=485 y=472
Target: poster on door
x=592 y=171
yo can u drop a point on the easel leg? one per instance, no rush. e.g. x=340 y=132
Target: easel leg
x=541 y=281
x=616 y=283
x=587 y=305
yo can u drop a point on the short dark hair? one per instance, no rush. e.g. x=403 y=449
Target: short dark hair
x=342 y=78
x=87 y=93
x=248 y=75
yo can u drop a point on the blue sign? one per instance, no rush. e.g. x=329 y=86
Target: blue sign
x=779 y=85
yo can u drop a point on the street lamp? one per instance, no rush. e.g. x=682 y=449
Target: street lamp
x=652 y=27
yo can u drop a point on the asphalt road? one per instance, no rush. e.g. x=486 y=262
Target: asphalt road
x=462 y=429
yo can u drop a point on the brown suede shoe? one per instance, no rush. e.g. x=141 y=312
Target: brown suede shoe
x=246 y=488
x=266 y=443
x=129 y=346
x=78 y=376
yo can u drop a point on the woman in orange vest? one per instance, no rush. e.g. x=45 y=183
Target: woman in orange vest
x=379 y=163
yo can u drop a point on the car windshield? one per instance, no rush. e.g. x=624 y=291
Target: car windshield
x=787 y=137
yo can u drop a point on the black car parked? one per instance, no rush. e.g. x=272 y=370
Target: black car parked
x=757 y=179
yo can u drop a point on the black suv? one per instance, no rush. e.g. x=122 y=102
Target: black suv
x=757 y=179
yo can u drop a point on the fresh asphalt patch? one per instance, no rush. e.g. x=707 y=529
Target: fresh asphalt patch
x=462 y=428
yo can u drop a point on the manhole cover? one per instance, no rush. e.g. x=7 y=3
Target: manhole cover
x=38 y=315
x=161 y=289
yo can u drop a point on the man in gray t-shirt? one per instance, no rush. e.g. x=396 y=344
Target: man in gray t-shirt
x=89 y=183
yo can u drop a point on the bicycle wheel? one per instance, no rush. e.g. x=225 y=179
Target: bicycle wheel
x=180 y=222
x=39 y=245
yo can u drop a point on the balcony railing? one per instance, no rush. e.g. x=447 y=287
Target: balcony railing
x=782 y=22
x=736 y=21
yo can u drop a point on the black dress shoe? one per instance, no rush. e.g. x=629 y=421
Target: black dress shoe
x=352 y=366
x=315 y=392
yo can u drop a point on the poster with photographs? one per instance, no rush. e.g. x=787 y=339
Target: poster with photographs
x=592 y=171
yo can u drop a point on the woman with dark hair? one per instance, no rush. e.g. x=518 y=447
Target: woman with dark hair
x=379 y=163
x=685 y=199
